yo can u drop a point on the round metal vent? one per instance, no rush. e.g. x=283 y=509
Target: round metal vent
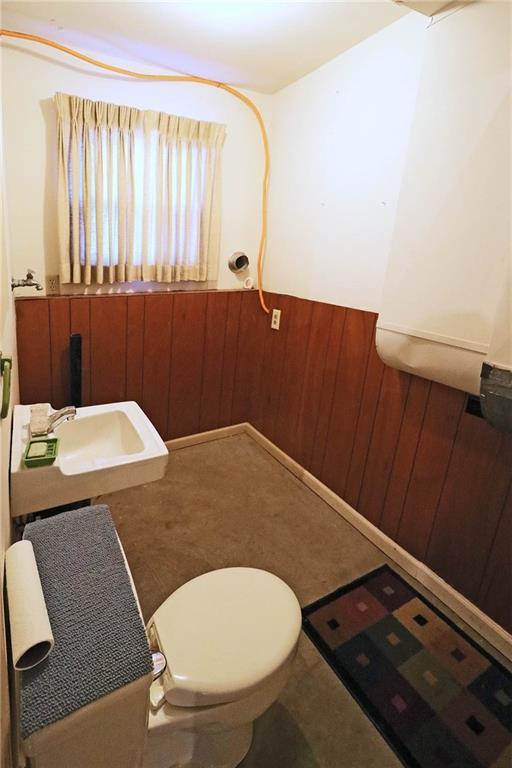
x=238 y=262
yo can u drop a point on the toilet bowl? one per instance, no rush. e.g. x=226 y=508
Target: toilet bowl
x=229 y=638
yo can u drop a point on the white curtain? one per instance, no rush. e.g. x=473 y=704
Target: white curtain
x=139 y=194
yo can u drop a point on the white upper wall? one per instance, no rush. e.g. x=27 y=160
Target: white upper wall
x=339 y=140
x=31 y=75
x=449 y=265
x=452 y=231
x=249 y=44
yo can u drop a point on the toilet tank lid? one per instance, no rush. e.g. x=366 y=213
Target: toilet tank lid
x=224 y=633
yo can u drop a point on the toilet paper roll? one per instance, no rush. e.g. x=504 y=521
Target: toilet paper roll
x=31 y=633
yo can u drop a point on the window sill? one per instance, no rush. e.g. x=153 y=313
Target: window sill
x=129 y=289
x=97 y=289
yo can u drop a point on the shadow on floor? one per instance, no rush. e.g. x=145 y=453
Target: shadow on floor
x=278 y=740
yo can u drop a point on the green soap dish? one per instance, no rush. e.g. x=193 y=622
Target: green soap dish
x=41 y=452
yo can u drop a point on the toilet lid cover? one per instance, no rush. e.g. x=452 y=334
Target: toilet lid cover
x=224 y=633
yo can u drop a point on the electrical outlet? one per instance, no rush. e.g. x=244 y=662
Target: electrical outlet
x=276 y=319
x=52 y=285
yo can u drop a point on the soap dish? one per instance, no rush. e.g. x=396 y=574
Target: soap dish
x=41 y=452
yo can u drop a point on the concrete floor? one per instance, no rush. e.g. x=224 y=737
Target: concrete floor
x=228 y=503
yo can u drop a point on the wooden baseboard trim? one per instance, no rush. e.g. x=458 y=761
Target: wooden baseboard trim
x=498 y=637
x=492 y=632
x=205 y=437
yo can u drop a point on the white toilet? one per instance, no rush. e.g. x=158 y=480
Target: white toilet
x=229 y=638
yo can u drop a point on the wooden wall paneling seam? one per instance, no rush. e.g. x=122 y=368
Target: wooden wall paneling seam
x=273 y=378
x=250 y=349
x=126 y=346
x=315 y=358
x=298 y=375
x=446 y=474
x=34 y=351
x=371 y=422
x=248 y=374
x=203 y=365
x=495 y=539
x=264 y=339
x=366 y=417
x=442 y=417
x=169 y=370
x=287 y=321
x=315 y=426
x=336 y=333
x=408 y=441
x=413 y=464
x=213 y=361
x=80 y=322
x=222 y=357
x=436 y=508
x=135 y=311
x=143 y=350
x=229 y=357
x=237 y=407
x=213 y=352
x=266 y=381
x=383 y=444
x=468 y=512
x=108 y=349
x=267 y=337
x=348 y=391
x=293 y=374
x=495 y=593
x=395 y=449
x=157 y=358
x=273 y=365
x=59 y=314
x=187 y=359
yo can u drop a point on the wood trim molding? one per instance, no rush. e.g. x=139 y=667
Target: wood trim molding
x=207 y=437
x=482 y=624
x=449 y=341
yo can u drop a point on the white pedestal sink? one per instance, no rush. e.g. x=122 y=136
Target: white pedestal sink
x=104 y=449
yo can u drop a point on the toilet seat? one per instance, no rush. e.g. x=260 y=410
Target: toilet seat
x=223 y=634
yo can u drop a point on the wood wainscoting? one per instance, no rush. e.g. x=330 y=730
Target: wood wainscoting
x=173 y=353
x=399 y=449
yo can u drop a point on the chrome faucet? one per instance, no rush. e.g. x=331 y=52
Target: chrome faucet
x=52 y=422
x=65 y=414
x=26 y=282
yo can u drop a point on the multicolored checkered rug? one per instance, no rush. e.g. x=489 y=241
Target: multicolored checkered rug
x=438 y=698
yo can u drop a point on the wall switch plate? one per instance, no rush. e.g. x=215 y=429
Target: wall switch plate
x=276 y=319
x=52 y=285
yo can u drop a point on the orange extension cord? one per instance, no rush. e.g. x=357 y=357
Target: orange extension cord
x=182 y=79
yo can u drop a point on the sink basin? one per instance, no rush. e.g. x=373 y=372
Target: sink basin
x=93 y=441
x=104 y=449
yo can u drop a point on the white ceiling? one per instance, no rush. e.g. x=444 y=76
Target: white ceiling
x=262 y=46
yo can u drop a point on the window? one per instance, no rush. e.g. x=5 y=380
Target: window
x=139 y=194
